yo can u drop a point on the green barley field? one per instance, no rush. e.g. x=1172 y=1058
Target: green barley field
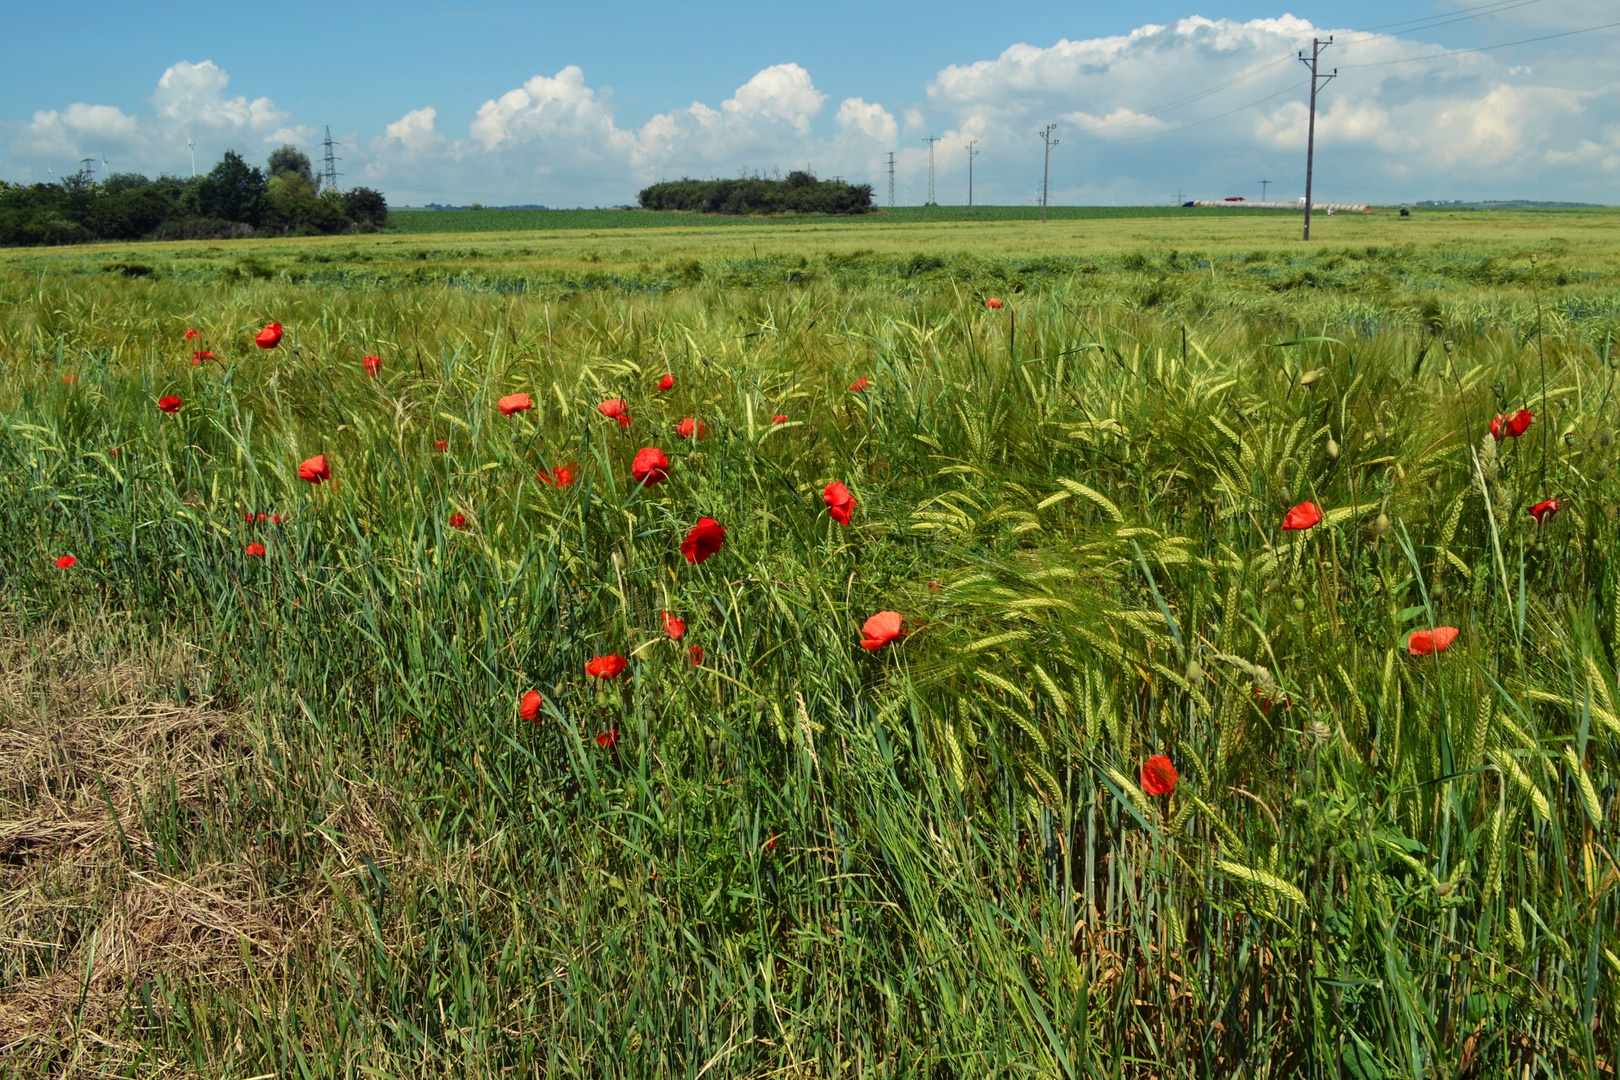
x=270 y=804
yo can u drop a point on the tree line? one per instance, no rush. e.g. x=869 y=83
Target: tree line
x=797 y=193
x=234 y=199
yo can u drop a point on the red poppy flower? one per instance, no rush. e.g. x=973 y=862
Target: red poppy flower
x=610 y=666
x=190 y=334
x=115 y=451
x=607 y=739
x=1520 y=423
x=840 y=503
x=994 y=304
x=373 y=365
x=276 y=519
x=262 y=518
x=1304 y=516
x=689 y=428
x=859 y=385
x=69 y=380
x=696 y=653
x=1496 y=427
x=1425 y=642
x=704 y=540
x=200 y=355
x=256 y=549
x=269 y=337
x=529 y=707
x=249 y=515
x=169 y=404
x=779 y=418
x=442 y=445
x=1158 y=775
x=650 y=466
x=559 y=476
x=667 y=382
x=315 y=469
x=514 y=403
x=457 y=521
x=1267 y=699
x=615 y=409
x=880 y=629
x=65 y=562
x=1544 y=510
x=674 y=627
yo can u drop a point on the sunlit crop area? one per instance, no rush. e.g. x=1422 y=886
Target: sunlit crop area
x=373 y=704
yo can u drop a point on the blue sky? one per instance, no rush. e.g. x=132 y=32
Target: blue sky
x=773 y=89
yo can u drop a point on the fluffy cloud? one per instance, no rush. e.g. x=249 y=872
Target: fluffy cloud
x=1205 y=105
x=189 y=103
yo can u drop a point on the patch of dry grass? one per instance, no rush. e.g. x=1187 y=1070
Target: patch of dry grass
x=87 y=742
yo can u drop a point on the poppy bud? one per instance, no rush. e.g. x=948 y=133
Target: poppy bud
x=1195 y=673
x=1381 y=525
x=1332 y=450
x=1311 y=378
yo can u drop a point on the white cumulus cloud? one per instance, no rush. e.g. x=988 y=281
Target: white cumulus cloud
x=1204 y=106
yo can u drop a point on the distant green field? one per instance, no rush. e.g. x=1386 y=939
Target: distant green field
x=454 y=221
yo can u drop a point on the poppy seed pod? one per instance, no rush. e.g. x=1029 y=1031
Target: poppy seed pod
x=1569 y=435
x=1332 y=450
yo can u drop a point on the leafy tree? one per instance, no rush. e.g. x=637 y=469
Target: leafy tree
x=289 y=159
x=799 y=193
x=366 y=206
x=233 y=191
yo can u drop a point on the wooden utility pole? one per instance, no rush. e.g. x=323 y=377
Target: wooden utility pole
x=1046 y=170
x=1317 y=79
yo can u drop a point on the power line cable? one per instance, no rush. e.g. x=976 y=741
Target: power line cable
x=1482 y=48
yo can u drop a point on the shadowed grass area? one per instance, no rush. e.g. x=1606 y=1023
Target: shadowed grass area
x=798 y=856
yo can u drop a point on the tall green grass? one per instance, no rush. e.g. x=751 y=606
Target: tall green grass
x=801 y=857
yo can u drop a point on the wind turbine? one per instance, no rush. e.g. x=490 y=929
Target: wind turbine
x=193 y=144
